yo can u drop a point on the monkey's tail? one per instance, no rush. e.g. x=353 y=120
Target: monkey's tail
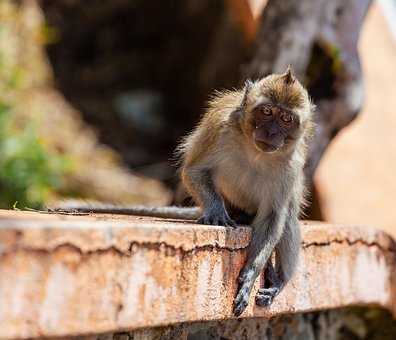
x=185 y=213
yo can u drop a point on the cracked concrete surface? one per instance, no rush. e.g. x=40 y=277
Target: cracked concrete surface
x=70 y=275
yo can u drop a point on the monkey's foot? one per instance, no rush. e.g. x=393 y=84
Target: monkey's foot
x=241 y=301
x=265 y=296
x=246 y=281
x=217 y=218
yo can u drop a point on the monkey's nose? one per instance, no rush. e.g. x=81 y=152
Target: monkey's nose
x=272 y=131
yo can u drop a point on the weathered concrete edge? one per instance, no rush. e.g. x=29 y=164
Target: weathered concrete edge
x=106 y=274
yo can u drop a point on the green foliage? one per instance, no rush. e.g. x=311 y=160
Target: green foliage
x=29 y=173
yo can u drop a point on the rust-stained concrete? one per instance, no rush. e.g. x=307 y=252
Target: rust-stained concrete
x=67 y=275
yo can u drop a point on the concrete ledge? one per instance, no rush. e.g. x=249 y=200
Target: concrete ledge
x=70 y=275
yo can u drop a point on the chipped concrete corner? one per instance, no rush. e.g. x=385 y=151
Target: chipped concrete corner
x=75 y=275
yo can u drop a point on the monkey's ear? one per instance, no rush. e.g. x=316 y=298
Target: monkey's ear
x=248 y=87
x=288 y=76
x=240 y=110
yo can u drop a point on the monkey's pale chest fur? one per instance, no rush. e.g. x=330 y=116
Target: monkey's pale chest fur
x=246 y=180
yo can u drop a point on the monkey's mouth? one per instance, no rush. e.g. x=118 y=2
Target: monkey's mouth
x=266 y=144
x=266 y=147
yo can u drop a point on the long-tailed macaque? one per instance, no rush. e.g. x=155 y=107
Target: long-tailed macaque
x=243 y=163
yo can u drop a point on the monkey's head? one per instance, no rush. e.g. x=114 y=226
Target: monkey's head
x=276 y=111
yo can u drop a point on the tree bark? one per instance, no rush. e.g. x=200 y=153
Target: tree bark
x=170 y=56
x=319 y=39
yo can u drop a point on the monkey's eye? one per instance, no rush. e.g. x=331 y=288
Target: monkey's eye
x=267 y=111
x=287 y=117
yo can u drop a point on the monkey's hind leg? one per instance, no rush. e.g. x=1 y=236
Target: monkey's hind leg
x=287 y=253
x=265 y=237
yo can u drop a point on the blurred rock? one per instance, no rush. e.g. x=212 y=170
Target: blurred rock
x=142 y=109
x=95 y=171
x=140 y=71
x=356 y=178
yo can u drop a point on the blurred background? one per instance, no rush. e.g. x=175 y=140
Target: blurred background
x=95 y=95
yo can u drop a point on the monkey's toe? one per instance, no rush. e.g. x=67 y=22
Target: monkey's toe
x=217 y=219
x=265 y=296
x=227 y=222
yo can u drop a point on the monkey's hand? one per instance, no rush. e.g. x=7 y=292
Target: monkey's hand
x=217 y=216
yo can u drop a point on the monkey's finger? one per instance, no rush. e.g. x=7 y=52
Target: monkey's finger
x=231 y=223
x=208 y=220
x=225 y=221
x=203 y=220
x=212 y=220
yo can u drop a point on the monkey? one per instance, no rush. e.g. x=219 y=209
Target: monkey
x=248 y=152
x=243 y=164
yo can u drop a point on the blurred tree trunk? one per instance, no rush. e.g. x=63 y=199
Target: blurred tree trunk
x=134 y=69
x=141 y=71
x=319 y=39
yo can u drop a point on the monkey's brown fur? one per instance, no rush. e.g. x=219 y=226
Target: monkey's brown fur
x=223 y=166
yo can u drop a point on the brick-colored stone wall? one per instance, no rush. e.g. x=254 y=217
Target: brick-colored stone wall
x=79 y=275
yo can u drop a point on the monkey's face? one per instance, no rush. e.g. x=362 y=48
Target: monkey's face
x=274 y=127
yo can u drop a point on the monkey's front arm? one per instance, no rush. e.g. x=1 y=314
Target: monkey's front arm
x=201 y=185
